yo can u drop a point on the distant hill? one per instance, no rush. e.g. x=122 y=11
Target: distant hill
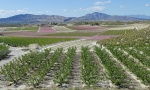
x=96 y=16
x=29 y=18
x=140 y=16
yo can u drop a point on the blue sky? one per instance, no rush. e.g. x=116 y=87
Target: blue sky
x=73 y=8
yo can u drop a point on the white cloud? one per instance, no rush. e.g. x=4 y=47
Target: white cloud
x=96 y=8
x=2 y=11
x=147 y=5
x=102 y=2
x=18 y=11
x=21 y=11
x=91 y=9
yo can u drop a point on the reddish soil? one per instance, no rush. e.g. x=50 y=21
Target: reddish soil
x=88 y=27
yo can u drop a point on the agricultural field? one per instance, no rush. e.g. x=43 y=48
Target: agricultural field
x=107 y=59
x=22 y=29
x=25 y=41
x=118 y=32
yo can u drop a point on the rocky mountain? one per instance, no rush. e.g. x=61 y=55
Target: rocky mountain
x=33 y=18
x=96 y=16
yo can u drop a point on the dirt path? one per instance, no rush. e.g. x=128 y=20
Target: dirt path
x=104 y=82
x=75 y=43
x=75 y=79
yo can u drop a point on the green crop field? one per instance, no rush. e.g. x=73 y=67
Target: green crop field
x=25 y=41
x=22 y=28
x=118 y=32
x=30 y=28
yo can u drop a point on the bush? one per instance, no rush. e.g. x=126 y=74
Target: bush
x=3 y=51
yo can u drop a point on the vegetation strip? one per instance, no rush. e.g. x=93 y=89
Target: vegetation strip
x=62 y=75
x=115 y=72
x=4 y=51
x=39 y=75
x=25 y=41
x=90 y=72
x=118 y=32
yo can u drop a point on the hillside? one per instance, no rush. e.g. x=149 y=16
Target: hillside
x=136 y=38
x=96 y=16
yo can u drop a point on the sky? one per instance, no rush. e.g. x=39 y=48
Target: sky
x=73 y=8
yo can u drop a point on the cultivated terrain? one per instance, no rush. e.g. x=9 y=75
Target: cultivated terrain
x=84 y=55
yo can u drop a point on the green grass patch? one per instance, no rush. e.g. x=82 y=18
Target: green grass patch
x=23 y=28
x=117 y=32
x=2 y=47
x=25 y=41
x=74 y=34
x=31 y=28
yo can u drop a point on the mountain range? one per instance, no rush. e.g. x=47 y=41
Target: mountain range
x=96 y=16
x=140 y=16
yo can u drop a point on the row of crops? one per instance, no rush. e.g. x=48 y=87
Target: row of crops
x=4 y=51
x=25 y=41
x=33 y=68
x=118 y=32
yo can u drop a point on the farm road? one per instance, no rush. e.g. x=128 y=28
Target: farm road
x=75 y=43
x=15 y=52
